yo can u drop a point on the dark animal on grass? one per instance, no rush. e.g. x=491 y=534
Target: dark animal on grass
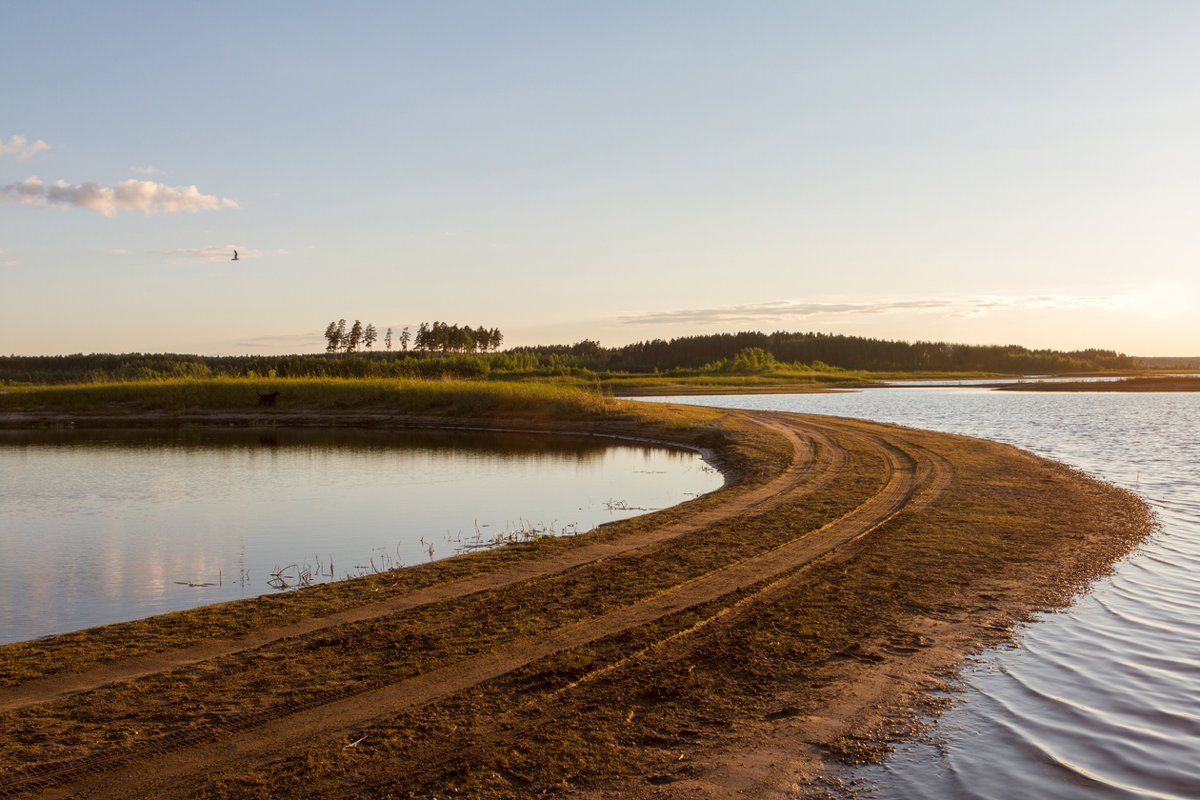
x=267 y=399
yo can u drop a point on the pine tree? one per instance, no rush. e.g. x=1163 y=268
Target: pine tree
x=369 y=335
x=404 y=339
x=387 y=340
x=332 y=338
x=354 y=338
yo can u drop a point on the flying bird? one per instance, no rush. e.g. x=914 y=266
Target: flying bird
x=235 y=258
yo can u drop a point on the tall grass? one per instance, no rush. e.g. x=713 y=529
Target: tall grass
x=404 y=396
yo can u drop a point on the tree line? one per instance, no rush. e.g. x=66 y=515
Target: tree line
x=436 y=337
x=440 y=349
x=854 y=353
x=446 y=338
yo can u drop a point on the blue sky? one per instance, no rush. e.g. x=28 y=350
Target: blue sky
x=982 y=172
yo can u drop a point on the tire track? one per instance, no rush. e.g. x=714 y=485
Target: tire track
x=802 y=473
x=914 y=478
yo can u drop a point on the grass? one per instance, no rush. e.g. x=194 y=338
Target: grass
x=404 y=396
x=366 y=403
x=565 y=397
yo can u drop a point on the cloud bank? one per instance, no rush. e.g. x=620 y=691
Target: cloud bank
x=147 y=197
x=20 y=147
x=785 y=310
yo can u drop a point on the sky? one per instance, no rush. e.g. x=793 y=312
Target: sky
x=1001 y=172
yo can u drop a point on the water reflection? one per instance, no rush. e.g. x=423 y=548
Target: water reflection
x=100 y=526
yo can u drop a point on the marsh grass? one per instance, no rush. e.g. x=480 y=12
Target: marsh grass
x=405 y=396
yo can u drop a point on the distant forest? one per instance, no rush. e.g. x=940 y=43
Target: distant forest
x=745 y=352
x=1171 y=362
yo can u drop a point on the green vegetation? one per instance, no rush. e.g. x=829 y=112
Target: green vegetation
x=1185 y=363
x=823 y=350
x=740 y=360
x=446 y=338
x=439 y=337
x=409 y=396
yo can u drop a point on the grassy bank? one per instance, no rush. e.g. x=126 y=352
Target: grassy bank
x=405 y=396
x=568 y=392
x=374 y=403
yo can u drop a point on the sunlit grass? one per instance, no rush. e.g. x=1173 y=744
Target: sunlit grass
x=480 y=400
x=405 y=396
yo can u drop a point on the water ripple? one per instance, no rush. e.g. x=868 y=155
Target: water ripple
x=1101 y=700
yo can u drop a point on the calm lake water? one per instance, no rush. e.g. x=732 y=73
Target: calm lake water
x=103 y=526
x=1101 y=700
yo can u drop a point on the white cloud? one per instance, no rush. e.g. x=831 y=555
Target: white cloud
x=787 y=310
x=20 y=147
x=147 y=170
x=30 y=190
x=131 y=195
x=8 y=262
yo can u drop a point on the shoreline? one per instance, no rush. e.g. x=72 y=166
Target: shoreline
x=752 y=638
x=1133 y=384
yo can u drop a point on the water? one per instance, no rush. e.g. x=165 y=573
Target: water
x=102 y=526
x=1101 y=700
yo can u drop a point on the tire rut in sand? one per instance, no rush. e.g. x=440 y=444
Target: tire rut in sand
x=802 y=473
x=805 y=473
x=914 y=477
